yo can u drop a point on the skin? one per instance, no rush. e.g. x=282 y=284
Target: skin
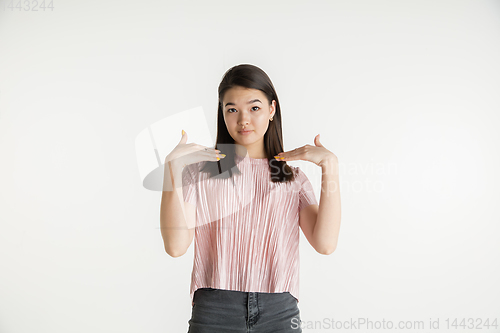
x=254 y=116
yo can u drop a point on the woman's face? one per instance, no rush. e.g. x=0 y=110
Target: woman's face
x=249 y=109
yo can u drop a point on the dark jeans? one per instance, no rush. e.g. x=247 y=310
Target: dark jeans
x=221 y=311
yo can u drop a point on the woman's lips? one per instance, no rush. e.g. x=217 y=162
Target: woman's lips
x=245 y=132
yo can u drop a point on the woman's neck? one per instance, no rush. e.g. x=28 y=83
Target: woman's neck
x=244 y=152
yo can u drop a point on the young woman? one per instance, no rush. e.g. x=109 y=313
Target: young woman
x=244 y=209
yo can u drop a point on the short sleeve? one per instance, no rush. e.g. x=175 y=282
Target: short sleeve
x=189 y=189
x=306 y=191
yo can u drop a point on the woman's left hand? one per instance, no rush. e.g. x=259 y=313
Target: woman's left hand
x=318 y=154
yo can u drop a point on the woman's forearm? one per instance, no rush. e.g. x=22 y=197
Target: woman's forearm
x=327 y=227
x=173 y=220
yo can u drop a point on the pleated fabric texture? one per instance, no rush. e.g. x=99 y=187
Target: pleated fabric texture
x=247 y=228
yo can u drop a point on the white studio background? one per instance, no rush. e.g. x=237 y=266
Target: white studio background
x=405 y=93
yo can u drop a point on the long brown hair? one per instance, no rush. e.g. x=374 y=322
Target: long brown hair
x=249 y=76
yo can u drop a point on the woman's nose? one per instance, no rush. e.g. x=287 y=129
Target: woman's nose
x=244 y=119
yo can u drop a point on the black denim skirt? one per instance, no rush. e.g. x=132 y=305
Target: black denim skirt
x=221 y=311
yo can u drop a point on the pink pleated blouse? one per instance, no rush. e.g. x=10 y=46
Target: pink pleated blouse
x=247 y=228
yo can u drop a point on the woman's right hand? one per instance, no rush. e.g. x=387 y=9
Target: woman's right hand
x=188 y=153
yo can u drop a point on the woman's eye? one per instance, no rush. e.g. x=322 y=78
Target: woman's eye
x=229 y=110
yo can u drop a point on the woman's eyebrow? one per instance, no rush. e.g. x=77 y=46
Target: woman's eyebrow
x=249 y=102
